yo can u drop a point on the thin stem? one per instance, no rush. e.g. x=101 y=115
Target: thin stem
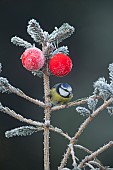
x=94 y=154
x=19 y=117
x=74 y=103
x=47 y=120
x=18 y=92
x=73 y=156
x=70 y=104
x=98 y=165
x=97 y=161
x=59 y=131
x=81 y=129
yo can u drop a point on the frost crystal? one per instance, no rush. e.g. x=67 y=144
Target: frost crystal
x=110 y=110
x=20 y=42
x=92 y=103
x=21 y=131
x=83 y=111
x=63 y=49
x=59 y=34
x=102 y=88
x=35 y=31
x=110 y=68
x=38 y=73
x=4 y=85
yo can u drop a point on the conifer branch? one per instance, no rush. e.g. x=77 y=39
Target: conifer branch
x=36 y=32
x=20 y=42
x=61 y=33
x=22 y=131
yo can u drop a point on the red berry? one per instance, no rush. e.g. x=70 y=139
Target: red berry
x=60 y=65
x=33 y=59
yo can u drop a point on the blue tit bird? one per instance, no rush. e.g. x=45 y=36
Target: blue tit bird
x=61 y=93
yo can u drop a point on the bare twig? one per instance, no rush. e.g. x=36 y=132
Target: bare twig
x=98 y=165
x=20 y=42
x=23 y=95
x=97 y=161
x=83 y=148
x=90 y=166
x=70 y=104
x=19 y=117
x=59 y=131
x=74 y=103
x=94 y=154
x=73 y=156
x=81 y=129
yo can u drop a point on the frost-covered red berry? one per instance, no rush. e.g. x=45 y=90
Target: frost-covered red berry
x=60 y=64
x=33 y=59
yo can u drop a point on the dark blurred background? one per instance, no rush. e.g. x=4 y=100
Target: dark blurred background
x=91 y=49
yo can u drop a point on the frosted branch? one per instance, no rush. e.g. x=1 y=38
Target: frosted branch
x=83 y=111
x=59 y=131
x=22 y=131
x=82 y=127
x=63 y=49
x=90 y=166
x=70 y=104
x=98 y=165
x=47 y=112
x=38 y=73
x=92 y=103
x=18 y=116
x=94 y=154
x=73 y=156
x=59 y=34
x=90 y=152
x=102 y=88
x=6 y=87
x=110 y=110
x=21 y=94
x=4 y=84
x=20 y=42
x=110 y=68
x=48 y=50
x=35 y=31
x=83 y=148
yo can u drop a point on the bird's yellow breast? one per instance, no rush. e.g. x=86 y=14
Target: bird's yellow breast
x=56 y=98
